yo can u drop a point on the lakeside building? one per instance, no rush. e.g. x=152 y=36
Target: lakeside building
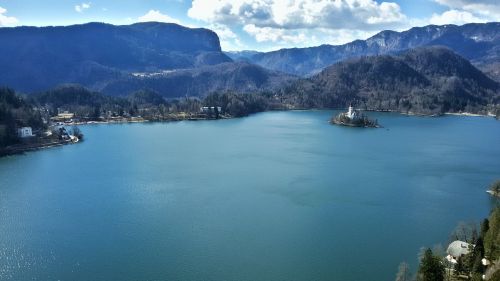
x=210 y=109
x=63 y=116
x=25 y=132
x=457 y=249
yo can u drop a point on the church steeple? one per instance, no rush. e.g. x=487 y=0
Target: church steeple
x=351 y=113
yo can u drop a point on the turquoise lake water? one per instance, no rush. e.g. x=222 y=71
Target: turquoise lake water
x=277 y=196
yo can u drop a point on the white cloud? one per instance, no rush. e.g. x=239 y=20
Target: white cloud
x=223 y=31
x=82 y=7
x=296 y=14
x=342 y=36
x=300 y=22
x=455 y=17
x=272 y=34
x=155 y=15
x=305 y=37
x=228 y=39
x=488 y=10
x=6 y=20
x=470 y=5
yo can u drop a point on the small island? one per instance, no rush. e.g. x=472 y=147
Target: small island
x=353 y=118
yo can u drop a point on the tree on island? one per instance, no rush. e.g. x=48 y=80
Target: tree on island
x=431 y=267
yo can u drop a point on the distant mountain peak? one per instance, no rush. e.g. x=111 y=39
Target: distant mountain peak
x=479 y=42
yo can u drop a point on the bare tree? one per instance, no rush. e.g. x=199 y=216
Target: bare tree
x=467 y=232
x=403 y=272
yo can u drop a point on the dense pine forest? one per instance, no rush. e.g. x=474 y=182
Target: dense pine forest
x=16 y=112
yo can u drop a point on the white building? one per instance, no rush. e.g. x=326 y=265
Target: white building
x=25 y=132
x=210 y=109
x=457 y=249
x=351 y=114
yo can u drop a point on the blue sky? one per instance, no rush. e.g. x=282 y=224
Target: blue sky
x=259 y=24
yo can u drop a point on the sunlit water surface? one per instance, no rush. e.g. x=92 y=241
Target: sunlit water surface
x=274 y=196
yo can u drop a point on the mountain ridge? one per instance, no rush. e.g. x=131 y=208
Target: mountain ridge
x=427 y=80
x=93 y=52
x=240 y=77
x=477 y=42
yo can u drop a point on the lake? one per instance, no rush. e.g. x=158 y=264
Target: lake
x=274 y=196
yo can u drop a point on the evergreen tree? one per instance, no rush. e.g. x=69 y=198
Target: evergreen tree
x=97 y=113
x=478 y=266
x=431 y=267
x=459 y=267
x=476 y=277
x=484 y=227
x=495 y=187
x=216 y=110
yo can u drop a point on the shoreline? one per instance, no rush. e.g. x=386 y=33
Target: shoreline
x=176 y=119
x=408 y=113
x=334 y=122
x=468 y=114
x=492 y=193
x=143 y=120
x=21 y=148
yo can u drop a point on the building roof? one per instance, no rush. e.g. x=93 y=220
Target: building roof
x=458 y=248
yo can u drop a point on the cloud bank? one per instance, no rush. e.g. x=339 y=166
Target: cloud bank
x=300 y=21
x=467 y=11
x=155 y=15
x=6 y=20
x=309 y=22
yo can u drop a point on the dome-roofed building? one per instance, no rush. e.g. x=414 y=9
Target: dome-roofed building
x=457 y=249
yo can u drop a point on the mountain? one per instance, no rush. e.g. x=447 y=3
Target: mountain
x=428 y=80
x=242 y=55
x=69 y=94
x=240 y=77
x=146 y=98
x=38 y=58
x=75 y=96
x=479 y=43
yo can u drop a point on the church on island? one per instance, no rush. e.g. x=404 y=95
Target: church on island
x=353 y=118
x=351 y=113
